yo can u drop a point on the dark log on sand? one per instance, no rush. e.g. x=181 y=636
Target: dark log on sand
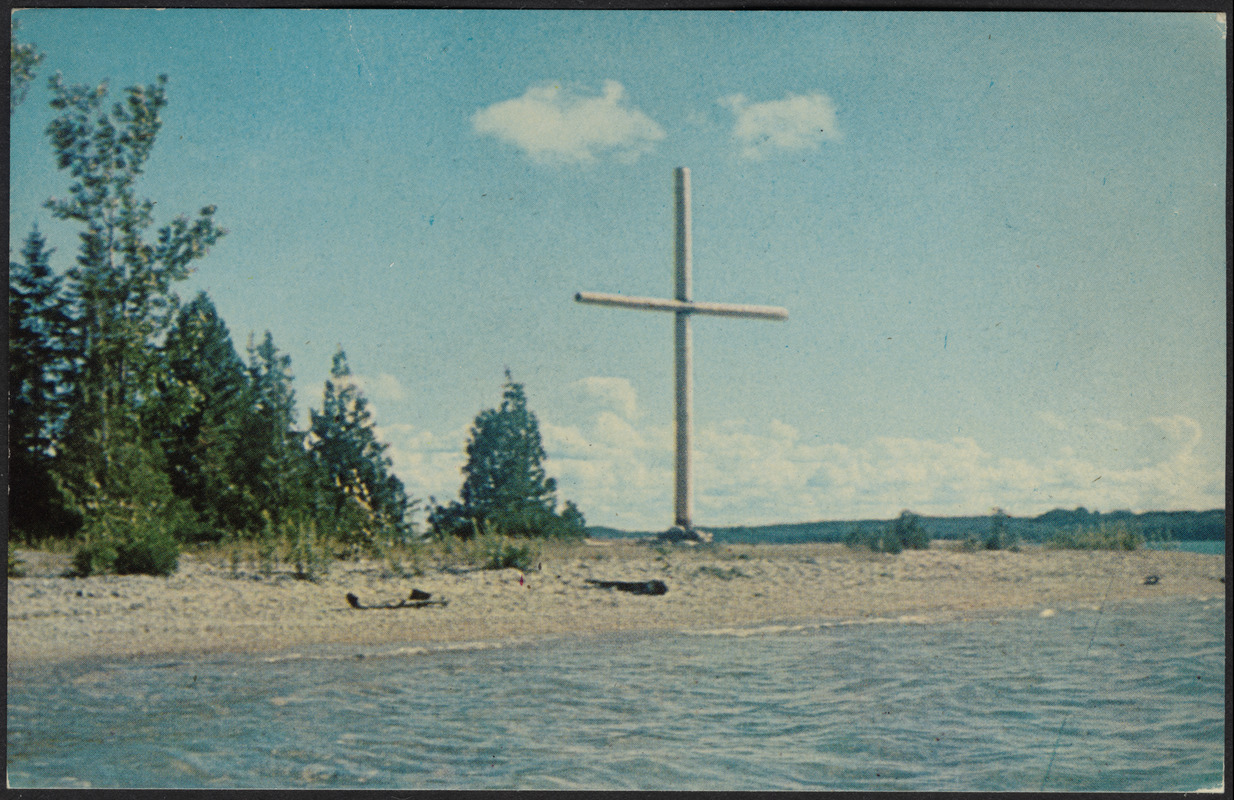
x=418 y=599
x=633 y=587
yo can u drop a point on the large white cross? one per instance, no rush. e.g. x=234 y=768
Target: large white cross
x=682 y=306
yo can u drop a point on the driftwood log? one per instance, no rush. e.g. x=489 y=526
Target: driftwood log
x=417 y=599
x=633 y=587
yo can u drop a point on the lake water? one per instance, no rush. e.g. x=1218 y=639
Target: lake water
x=1127 y=698
x=1212 y=547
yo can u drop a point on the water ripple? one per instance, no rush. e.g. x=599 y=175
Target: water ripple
x=1128 y=699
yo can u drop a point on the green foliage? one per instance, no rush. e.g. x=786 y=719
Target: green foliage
x=273 y=466
x=722 y=574
x=1000 y=536
x=1105 y=536
x=23 y=58
x=153 y=552
x=16 y=568
x=362 y=491
x=197 y=417
x=94 y=558
x=505 y=481
x=38 y=359
x=307 y=552
x=95 y=338
x=501 y=552
x=120 y=290
x=905 y=532
x=910 y=532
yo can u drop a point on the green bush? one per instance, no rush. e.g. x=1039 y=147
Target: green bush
x=15 y=566
x=307 y=552
x=905 y=532
x=155 y=553
x=500 y=552
x=1000 y=536
x=722 y=574
x=1105 y=536
x=94 y=558
x=910 y=532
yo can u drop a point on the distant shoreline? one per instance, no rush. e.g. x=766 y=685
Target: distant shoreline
x=206 y=608
x=1179 y=526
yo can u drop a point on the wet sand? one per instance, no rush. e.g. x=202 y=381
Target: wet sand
x=210 y=606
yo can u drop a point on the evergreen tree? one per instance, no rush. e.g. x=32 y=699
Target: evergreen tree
x=38 y=323
x=199 y=417
x=273 y=462
x=505 y=482
x=121 y=287
x=345 y=449
x=504 y=458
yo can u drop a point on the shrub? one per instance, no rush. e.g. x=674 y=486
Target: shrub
x=910 y=532
x=155 y=553
x=94 y=558
x=500 y=552
x=15 y=566
x=1105 y=536
x=905 y=532
x=307 y=553
x=1000 y=536
x=722 y=574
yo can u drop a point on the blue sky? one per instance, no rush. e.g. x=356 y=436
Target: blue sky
x=1000 y=239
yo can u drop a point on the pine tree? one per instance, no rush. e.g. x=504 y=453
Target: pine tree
x=505 y=483
x=344 y=446
x=38 y=324
x=273 y=461
x=121 y=287
x=199 y=416
x=504 y=458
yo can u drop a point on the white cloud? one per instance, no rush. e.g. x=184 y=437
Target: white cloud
x=386 y=387
x=619 y=468
x=552 y=123
x=616 y=393
x=797 y=122
x=428 y=464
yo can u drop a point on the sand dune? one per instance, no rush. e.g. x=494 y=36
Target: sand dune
x=207 y=606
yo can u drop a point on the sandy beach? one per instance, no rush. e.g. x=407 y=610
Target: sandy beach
x=210 y=606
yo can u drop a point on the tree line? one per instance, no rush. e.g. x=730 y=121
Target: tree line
x=135 y=426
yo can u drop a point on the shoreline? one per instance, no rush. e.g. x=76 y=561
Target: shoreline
x=209 y=608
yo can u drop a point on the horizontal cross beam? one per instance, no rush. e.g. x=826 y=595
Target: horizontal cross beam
x=682 y=306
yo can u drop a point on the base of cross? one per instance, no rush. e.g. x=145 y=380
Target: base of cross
x=681 y=535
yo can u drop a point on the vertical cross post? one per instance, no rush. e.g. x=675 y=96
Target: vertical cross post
x=683 y=353
x=683 y=307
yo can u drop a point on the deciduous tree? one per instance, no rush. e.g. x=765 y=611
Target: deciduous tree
x=120 y=289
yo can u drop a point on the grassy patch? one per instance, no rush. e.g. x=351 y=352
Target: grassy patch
x=722 y=574
x=1105 y=536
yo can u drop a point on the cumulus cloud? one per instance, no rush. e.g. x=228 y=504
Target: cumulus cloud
x=616 y=393
x=798 y=122
x=619 y=468
x=554 y=123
